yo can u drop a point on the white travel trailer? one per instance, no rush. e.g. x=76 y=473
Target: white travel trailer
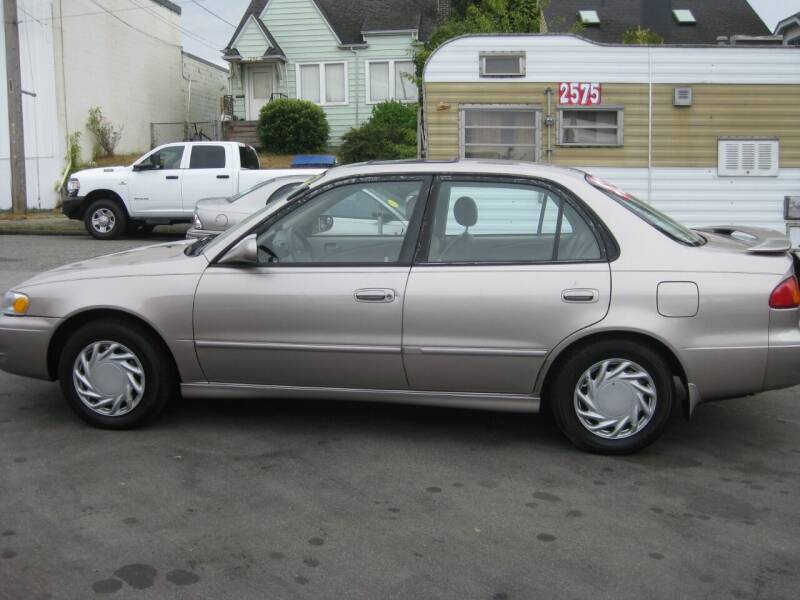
x=708 y=134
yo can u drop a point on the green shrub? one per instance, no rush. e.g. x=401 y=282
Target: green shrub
x=390 y=134
x=395 y=114
x=288 y=126
x=641 y=36
x=106 y=135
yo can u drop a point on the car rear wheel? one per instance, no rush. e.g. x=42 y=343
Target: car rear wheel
x=105 y=220
x=115 y=376
x=613 y=397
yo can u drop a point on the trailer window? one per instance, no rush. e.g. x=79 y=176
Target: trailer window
x=502 y=64
x=590 y=127
x=507 y=132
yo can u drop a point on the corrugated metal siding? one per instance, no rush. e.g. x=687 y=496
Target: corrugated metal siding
x=443 y=125
x=570 y=58
x=698 y=197
x=687 y=136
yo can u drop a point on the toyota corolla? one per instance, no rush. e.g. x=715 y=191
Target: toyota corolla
x=508 y=286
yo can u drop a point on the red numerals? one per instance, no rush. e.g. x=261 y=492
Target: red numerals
x=580 y=94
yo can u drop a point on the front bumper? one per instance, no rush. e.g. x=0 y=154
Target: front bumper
x=196 y=234
x=73 y=206
x=23 y=345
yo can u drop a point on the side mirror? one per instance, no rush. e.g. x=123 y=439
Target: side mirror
x=243 y=253
x=143 y=167
x=324 y=223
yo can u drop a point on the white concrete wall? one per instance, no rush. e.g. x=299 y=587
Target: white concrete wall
x=128 y=63
x=208 y=84
x=44 y=147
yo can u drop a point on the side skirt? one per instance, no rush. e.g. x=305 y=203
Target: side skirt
x=494 y=402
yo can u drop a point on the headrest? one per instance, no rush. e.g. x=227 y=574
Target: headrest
x=466 y=211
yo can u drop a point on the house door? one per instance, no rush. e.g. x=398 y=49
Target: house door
x=259 y=89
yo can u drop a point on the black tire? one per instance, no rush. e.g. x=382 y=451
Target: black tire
x=111 y=208
x=159 y=375
x=562 y=395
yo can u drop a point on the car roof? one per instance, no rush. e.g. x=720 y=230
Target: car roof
x=463 y=166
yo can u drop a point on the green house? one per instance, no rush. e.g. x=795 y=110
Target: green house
x=345 y=55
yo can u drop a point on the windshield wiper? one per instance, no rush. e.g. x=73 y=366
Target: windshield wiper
x=197 y=247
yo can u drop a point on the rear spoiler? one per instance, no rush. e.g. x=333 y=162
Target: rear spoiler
x=758 y=239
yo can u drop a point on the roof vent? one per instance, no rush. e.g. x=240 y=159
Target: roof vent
x=684 y=17
x=682 y=96
x=589 y=17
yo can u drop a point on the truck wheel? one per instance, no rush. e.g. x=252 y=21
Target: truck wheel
x=105 y=220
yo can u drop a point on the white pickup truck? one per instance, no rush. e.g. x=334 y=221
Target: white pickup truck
x=162 y=187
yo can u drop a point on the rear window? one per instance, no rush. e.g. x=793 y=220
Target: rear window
x=207 y=157
x=666 y=225
x=248 y=158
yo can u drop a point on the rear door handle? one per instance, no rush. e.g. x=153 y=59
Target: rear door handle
x=375 y=295
x=580 y=295
x=223 y=176
x=172 y=176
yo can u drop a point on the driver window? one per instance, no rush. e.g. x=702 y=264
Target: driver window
x=166 y=158
x=363 y=222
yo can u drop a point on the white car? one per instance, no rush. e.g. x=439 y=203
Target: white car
x=212 y=216
x=366 y=212
x=162 y=187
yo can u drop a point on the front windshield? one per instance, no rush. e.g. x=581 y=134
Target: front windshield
x=666 y=225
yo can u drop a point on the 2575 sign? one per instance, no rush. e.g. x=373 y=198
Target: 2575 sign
x=579 y=93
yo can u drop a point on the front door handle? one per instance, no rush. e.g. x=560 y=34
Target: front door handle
x=223 y=176
x=375 y=295
x=172 y=176
x=580 y=295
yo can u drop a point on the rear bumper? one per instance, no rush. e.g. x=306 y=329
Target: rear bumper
x=783 y=357
x=23 y=345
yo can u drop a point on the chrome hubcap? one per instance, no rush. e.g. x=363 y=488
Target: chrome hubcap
x=103 y=220
x=108 y=378
x=615 y=398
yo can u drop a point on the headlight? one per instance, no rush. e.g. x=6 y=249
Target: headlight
x=15 y=304
x=198 y=224
x=73 y=186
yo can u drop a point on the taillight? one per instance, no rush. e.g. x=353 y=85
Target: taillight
x=786 y=295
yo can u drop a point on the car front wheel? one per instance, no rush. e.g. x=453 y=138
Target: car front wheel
x=613 y=397
x=114 y=375
x=105 y=220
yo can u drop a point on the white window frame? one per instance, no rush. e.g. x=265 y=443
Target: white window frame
x=392 y=78
x=521 y=56
x=535 y=108
x=322 y=91
x=620 y=127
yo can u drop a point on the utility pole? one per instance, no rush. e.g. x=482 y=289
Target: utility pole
x=19 y=198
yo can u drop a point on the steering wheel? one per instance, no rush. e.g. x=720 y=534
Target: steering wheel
x=299 y=247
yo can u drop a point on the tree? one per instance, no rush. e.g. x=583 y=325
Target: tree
x=641 y=36
x=482 y=16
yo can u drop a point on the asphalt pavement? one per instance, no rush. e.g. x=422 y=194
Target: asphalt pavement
x=311 y=499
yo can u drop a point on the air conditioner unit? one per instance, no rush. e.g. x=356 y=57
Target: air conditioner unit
x=682 y=96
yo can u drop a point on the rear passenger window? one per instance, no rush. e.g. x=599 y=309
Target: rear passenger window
x=248 y=158
x=477 y=222
x=207 y=157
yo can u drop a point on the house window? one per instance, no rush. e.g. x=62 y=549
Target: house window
x=502 y=64
x=391 y=80
x=322 y=83
x=590 y=126
x=508 y=132
x=748 y=157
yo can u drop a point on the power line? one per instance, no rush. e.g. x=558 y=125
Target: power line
x=212 y=13
x=197 y=37
x=91 y=13
x=124 y=22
